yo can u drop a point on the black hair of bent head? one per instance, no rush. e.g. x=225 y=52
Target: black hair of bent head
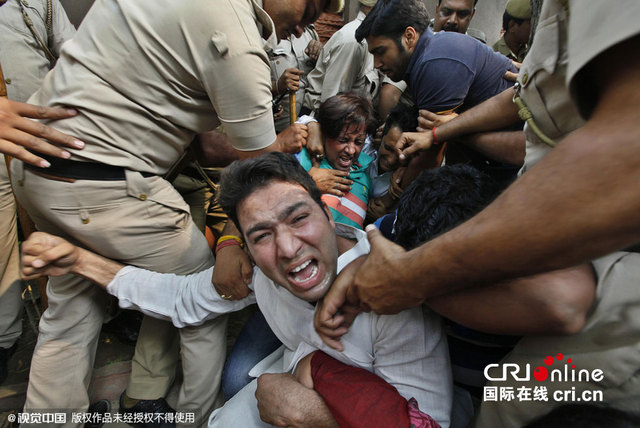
x=439 y=200
x=243 y=177
x=389 y=18
x=404 y=117
x=475 y=2
x=343 y=110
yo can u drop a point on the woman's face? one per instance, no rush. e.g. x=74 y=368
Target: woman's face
x=343 y=152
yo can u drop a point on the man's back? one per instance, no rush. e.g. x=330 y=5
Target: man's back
x=143 y=76
x=448 y=70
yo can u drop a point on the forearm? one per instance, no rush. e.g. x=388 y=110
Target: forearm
x=95 y=268
x=507 y=147
x=498 y=112
x=550 y=303
x=185 y=300
x=578 y=203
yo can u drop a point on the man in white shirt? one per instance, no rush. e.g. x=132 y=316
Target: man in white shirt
x=298 y=251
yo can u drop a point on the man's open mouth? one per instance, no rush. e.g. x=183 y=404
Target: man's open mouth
x=304 y=275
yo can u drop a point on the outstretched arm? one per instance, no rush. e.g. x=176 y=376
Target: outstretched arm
x=498 y=112
x=183 y=299
x=48 y=255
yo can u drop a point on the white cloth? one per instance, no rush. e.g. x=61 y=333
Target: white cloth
x=408 y=350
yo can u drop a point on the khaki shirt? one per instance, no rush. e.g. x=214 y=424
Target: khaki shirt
x=24 y=63
x=147 y=75
x=564 y=43
x=290 y=54
x=344 y=65
x=501 y=46
x=609 y=341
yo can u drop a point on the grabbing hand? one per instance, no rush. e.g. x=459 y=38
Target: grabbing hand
x=289 y=80
x=18 y=134
x=232 y=273
x=47 y=255
x=293 y=138
x=411 y=142
x=314 y=143
x=379 y=284
x=334 y=314
x=332 y=181
x=285 y=402
x=313 y=49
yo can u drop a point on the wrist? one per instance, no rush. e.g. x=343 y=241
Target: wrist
x=434 y=138
x=227 y=241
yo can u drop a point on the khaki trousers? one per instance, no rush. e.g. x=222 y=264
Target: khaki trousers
x=10 y=284
x=142 y=222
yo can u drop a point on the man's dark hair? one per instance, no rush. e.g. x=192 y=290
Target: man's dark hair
x=506 y=18
x=439 y=200
x=346 y=109
x=475 y=2
x=404 y=117
x=389 y=18
x=242 y=178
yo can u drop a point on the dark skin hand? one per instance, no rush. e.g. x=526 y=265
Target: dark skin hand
x=332 y=181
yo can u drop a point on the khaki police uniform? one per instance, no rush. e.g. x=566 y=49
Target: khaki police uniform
x=145 y=77
x=564 y=43
x=24 y=65
x=290 y=54
x=344 y=65
x=501 y=46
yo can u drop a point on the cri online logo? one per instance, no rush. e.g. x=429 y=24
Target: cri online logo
x=566 y=373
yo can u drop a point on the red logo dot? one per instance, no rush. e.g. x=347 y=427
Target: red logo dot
x=548 y=360
x=568 y=360
x=559 y=356
x=573 y=366
x=540 y=373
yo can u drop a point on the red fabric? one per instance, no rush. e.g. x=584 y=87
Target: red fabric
x=358 y=398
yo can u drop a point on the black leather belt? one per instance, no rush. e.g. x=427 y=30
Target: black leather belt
x=77 y=170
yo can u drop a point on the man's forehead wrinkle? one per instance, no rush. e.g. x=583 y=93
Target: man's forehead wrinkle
x=281 y=216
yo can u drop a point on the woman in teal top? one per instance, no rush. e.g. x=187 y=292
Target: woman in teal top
x=345 y=120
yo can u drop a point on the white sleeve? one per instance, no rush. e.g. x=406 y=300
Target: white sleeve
x=185 y=300
x=410 y=353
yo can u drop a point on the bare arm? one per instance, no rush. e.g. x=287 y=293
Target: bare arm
x=285 y=402
x=507 y=146
x=495 y=113
x=550 y=303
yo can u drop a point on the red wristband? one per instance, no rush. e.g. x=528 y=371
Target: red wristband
x=433 y=134
x=227 y=243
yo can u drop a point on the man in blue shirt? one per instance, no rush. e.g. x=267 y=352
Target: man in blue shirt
x=445 y=71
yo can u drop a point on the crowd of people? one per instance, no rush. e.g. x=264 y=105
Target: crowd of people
x=435 y=231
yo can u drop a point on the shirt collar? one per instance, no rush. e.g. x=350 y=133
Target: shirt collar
x=266 y=23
